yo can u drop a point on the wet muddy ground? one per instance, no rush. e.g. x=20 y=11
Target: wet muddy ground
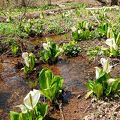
x=75 y=71
x=13 y=87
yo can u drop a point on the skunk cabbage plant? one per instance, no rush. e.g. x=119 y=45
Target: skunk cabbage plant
x=103 y=84
x=83 y=31
x=30 y=109
x=50 y=52
x=113 y=42
x=71 y=49
x=29 y=60
x=50 y=84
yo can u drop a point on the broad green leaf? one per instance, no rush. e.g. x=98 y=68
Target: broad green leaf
x=116 y=85
x=59 y=81
x=50 y=85
x=75 y=35
x=103 y=77
x=90 y=84
x=108 y=90
x=98 y=90
x=50 y=93
x=45 y=78
x=27 y=116
x=42 y=108
x=14 y=115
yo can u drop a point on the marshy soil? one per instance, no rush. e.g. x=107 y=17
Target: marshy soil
x=75 y=71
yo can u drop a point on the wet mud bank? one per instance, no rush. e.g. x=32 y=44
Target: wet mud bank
x=13 y=86
x=75 y=71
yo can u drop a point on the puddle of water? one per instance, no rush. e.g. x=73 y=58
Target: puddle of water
x=56 y=38
x=13 y=87
x=74 y=71
x=4 y=96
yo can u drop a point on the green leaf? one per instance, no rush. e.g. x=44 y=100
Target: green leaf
x=27 y=116
x=42 y=109
x=26 y=70
x=59 y=80
x=45 y=78
x=110 y=33
x=51 y=54
x=50 y=85
x=50 y=93
x=108 y=90
x=103 y=77
x=116 y=85
x=75 y=36
x=32 y=61
x=14 y=115
x=118 y=39
x=98 y=90
x=40 y=118
x=90 y=84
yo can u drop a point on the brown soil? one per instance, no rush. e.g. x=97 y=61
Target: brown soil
x=13 y=87
x=75 y=71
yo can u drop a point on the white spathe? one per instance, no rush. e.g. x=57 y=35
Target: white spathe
x=23 y=108
x=31 y=54
x=105 y=64
x=32 y=98
x=25 y=56
x=111 y=80
x=111 y=42
x=79 y=31
x=45 y=46
x=73 y=29
x=30 y=101
x=98 y=70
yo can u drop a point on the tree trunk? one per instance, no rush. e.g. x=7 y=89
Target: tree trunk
x=114 y=2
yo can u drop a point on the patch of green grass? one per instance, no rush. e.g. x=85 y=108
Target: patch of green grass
x=75 y=4
x=7 y=29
